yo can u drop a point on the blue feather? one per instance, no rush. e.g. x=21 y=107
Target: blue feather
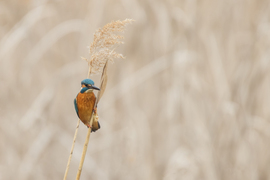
x=84 y=89
x=87 y=81
x=76 y=107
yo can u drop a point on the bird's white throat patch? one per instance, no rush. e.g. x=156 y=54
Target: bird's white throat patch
x=89 y=91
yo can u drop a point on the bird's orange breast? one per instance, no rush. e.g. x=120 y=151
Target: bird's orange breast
x=85 y=104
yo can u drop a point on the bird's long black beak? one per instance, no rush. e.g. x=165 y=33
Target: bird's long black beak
x=94 y=87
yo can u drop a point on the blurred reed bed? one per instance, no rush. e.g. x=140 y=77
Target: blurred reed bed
x=191 y=102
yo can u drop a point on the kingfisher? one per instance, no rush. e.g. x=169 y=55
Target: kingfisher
x=84 y=104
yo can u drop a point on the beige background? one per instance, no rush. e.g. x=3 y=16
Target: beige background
x=190 y=101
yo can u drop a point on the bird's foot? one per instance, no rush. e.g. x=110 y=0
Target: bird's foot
x=95 y=110
x=88 y=125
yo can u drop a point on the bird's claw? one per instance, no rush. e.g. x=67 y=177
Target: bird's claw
x=88 y=126
x=95 y=110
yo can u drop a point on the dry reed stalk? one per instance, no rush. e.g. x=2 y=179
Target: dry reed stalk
x=84 y=149
x=102 y=50
x=72 y=147
x=100 y=93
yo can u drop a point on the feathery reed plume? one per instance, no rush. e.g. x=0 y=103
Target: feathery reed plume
x=104 y=44
x=102 y=50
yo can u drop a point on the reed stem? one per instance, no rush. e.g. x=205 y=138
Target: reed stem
x=72 y=147
x=84 y=149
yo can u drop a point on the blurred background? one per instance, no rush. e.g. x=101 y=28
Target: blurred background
x=190 y=101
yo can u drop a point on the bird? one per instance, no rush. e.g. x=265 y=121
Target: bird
x=84 y=104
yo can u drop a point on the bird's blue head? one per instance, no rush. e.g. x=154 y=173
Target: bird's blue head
x=88 y=84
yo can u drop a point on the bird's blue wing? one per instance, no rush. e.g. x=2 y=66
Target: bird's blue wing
x=76 y=107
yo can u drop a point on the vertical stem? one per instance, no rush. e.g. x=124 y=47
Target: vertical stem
x=84 y=149
x=72 y=147
x=87 y=136
x=89 y=70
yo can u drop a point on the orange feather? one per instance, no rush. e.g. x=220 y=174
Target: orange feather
x=85 y=104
